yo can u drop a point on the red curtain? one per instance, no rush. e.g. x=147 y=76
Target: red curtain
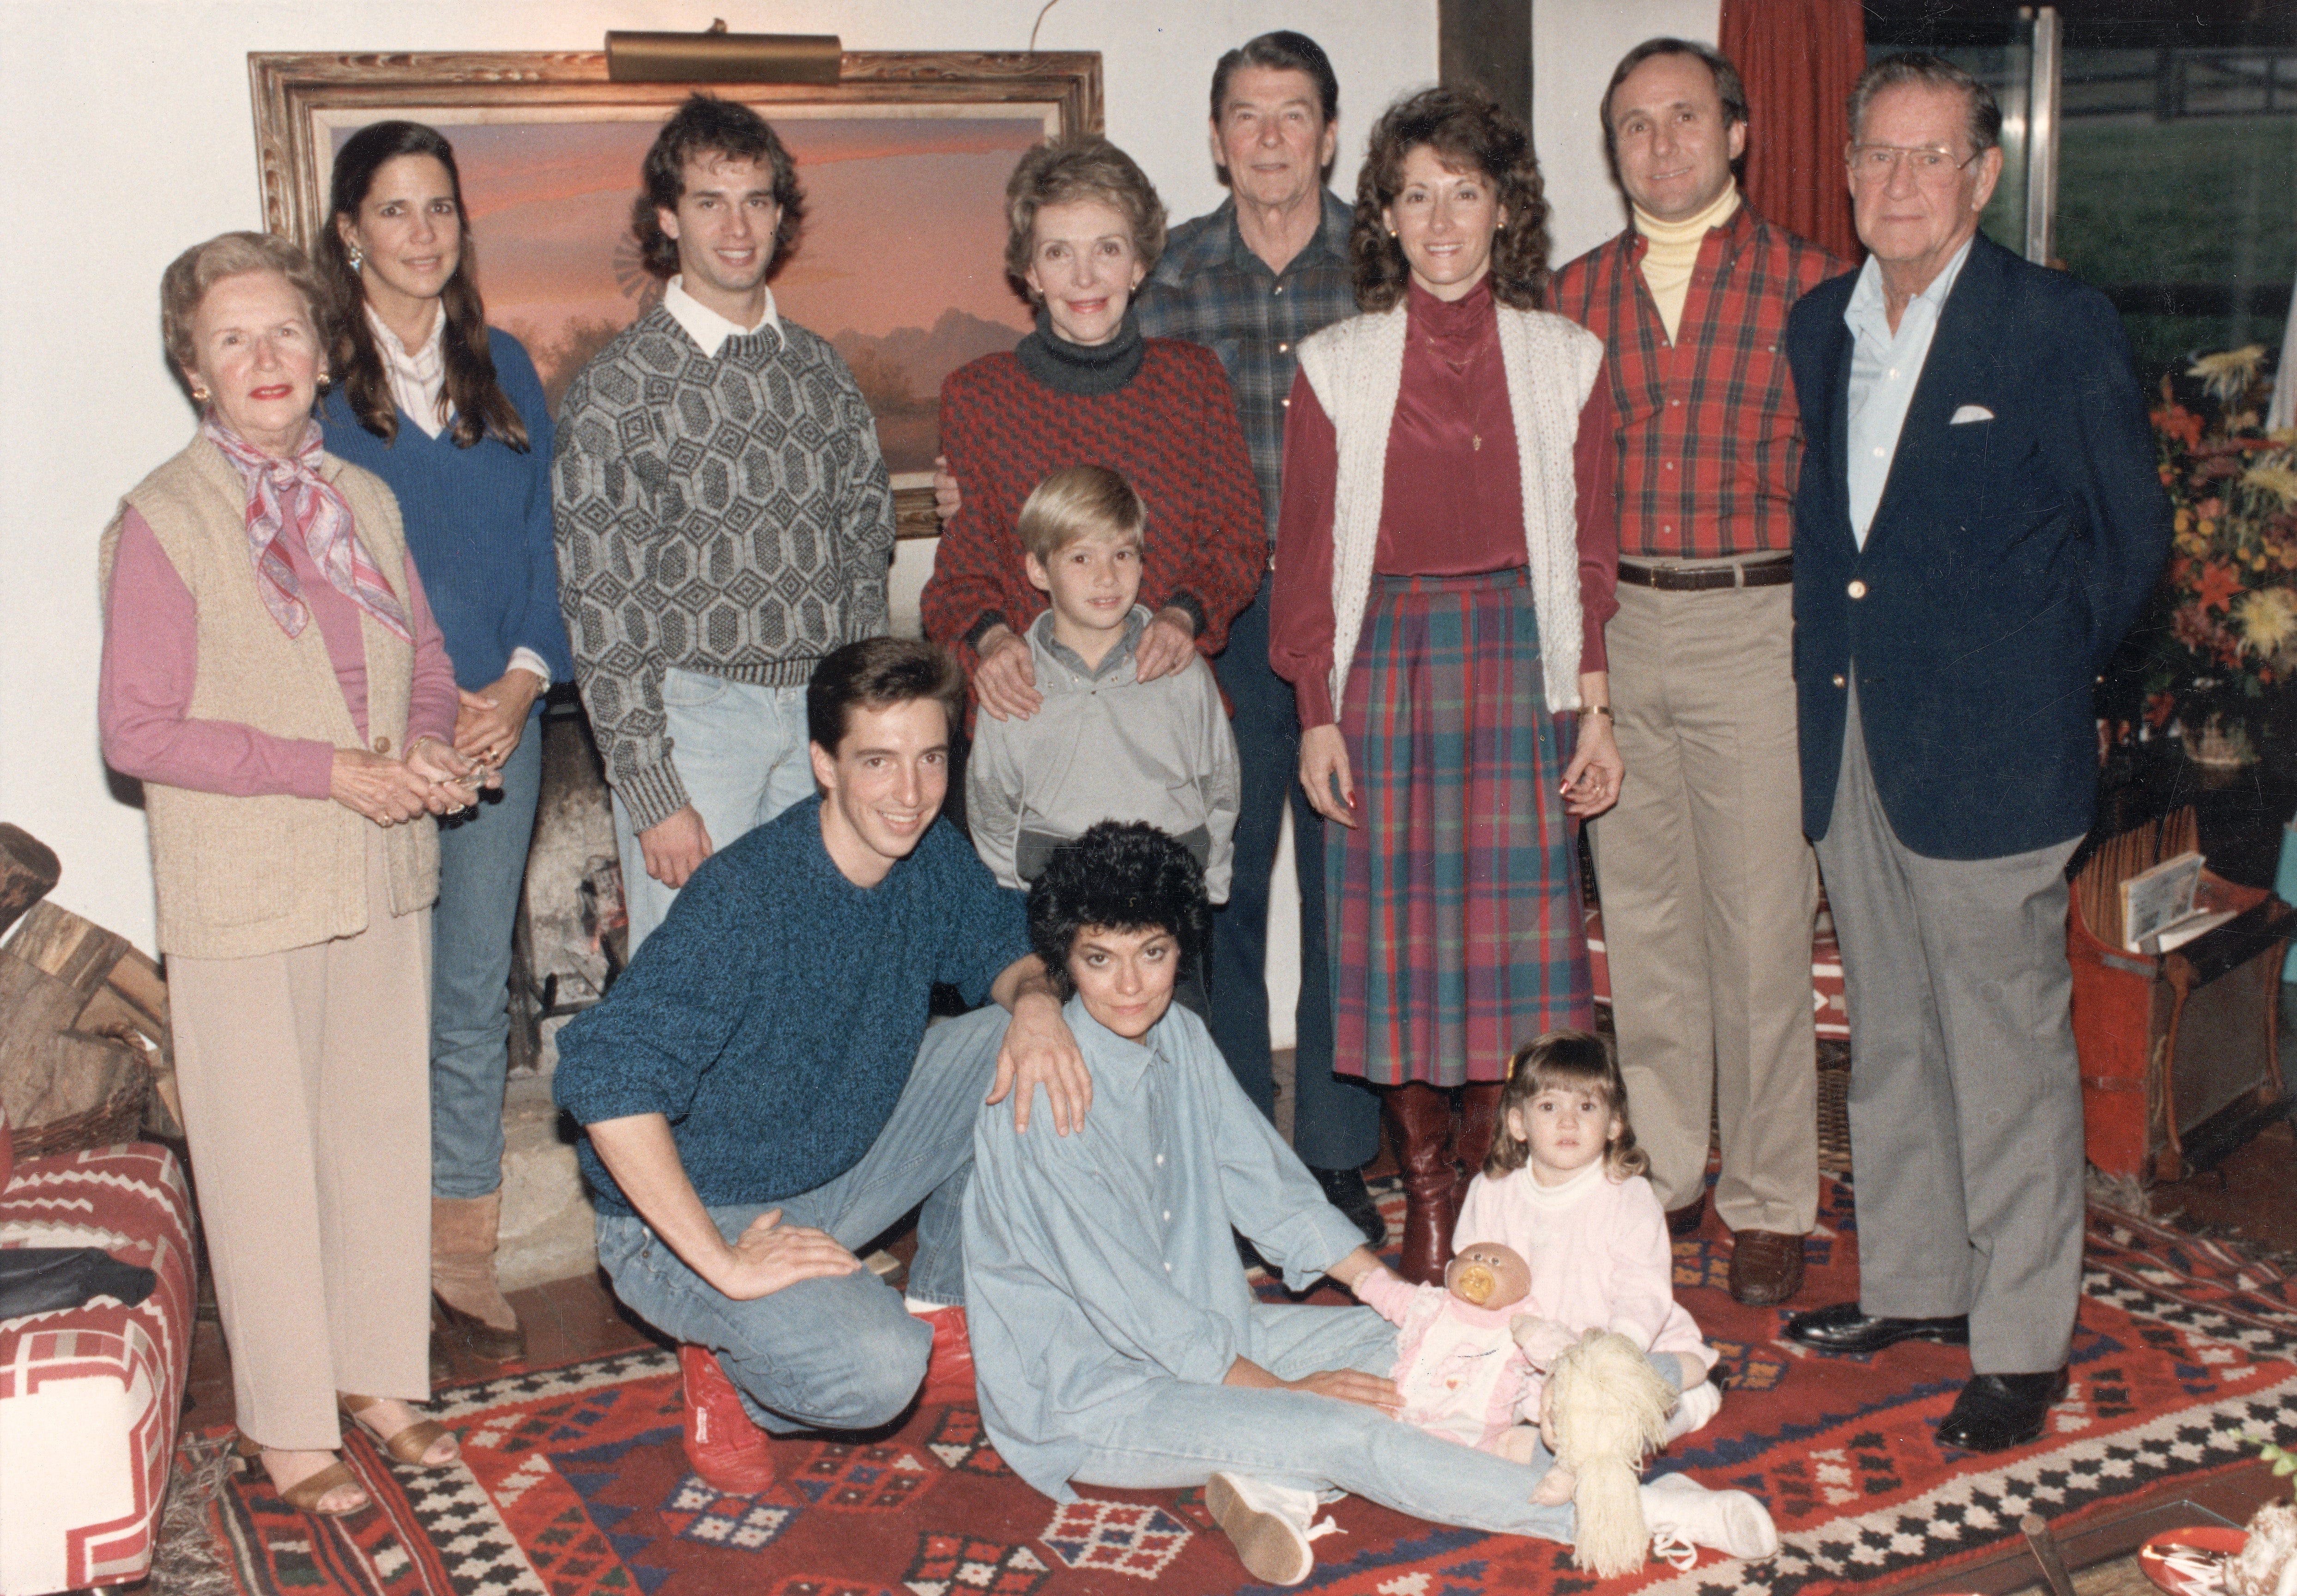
x=1800 y=58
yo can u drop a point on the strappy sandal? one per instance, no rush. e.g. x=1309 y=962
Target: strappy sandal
x=409 y=1445
x=307 y=1493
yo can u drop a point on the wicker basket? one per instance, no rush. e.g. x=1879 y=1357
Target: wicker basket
x=119 y=1118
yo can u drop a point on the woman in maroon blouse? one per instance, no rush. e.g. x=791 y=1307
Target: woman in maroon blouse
x=1448 y=559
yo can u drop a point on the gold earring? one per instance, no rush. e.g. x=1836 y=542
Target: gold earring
x=199 y=393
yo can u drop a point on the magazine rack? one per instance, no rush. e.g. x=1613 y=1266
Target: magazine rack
x=2169 y=1041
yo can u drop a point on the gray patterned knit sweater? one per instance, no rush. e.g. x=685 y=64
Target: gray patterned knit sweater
x=725 y=514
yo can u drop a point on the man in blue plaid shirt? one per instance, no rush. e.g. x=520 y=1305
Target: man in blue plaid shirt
x=1249 y=280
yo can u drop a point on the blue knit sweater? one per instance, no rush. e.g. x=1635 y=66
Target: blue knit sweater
x=478 y=523
x=775 y=1016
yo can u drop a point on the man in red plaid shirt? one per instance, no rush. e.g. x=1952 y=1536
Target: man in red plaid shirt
x=1708 y=885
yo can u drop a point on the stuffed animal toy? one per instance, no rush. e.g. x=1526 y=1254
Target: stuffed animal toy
x=1602 y=1409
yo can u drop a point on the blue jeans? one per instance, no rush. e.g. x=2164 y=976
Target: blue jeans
x=1177 y=1434
x=1335 y=1122
x=741 y=751
x=840 y=1352
x=481 y=865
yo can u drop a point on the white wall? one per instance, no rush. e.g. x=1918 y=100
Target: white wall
x=133 y=135
x=1575 y=44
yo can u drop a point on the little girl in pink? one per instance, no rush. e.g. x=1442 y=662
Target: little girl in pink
x=1564 y=1186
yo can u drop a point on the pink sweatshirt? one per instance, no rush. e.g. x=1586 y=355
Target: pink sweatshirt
x=151 y=659
x=1599 y=1254
x=1460 y=1372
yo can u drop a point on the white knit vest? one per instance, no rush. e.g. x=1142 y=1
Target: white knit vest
x=1357 y=368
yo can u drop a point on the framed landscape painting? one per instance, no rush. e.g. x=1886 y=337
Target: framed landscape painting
x=901 y=264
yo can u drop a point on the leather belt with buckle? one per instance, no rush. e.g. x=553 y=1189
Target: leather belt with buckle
x=1698 y=579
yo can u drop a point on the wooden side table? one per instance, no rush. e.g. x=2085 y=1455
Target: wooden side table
x=2169 y=1042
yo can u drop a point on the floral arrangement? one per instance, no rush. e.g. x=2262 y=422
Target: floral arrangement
x=2219 y=646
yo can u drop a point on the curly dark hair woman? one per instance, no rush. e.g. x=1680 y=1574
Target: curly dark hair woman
x=1120 y=875
x=1469 y=133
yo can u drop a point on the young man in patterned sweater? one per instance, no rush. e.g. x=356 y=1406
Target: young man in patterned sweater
x=723 y=516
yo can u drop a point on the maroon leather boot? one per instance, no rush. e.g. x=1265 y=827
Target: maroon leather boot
x=1420 y=1123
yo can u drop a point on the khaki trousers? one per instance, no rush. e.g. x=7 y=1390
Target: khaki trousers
x=1709 y=890
x=306 y=1086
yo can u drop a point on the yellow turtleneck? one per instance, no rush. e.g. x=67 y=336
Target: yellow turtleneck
x=1674 y=251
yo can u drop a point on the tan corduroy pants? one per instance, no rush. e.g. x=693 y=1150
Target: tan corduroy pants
x=306 y=1084
x=1708 y=889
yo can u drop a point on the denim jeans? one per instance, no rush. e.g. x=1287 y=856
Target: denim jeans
x=1177 y=1434
x=1335 y=1122
x=481 y=865
x=840 y=1353
x=741 y=751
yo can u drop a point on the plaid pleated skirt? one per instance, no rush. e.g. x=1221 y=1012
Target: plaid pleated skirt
x=1455 y=927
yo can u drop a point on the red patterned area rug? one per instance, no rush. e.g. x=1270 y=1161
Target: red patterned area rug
x=575 y=1482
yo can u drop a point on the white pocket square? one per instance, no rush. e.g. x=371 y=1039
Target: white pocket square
x=1970 y=413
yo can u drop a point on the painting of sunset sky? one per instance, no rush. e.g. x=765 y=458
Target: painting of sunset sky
x=899 y=264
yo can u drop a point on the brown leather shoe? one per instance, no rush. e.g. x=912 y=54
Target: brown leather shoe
x=1766 y=1267
x=1683 y=1222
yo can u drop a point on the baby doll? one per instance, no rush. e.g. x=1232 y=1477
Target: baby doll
x=1460 y=1372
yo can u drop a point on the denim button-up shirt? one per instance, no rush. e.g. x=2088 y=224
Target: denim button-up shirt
x=1099 y=1265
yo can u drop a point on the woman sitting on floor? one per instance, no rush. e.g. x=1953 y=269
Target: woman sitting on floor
x=1115 y=1341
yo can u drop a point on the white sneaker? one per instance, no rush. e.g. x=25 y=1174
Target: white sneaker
x=1694 y=1410
x=1729 y=1521
x=1268 y=1524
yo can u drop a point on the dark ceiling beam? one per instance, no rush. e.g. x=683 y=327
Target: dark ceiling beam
x=1487 y=42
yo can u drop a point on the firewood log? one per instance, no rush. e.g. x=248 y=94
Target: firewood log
x=28 y=872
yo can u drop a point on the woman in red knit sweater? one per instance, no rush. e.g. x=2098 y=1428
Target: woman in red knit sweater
x=1087 y=389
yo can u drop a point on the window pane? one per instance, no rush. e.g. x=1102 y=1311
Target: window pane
x=2177 y=194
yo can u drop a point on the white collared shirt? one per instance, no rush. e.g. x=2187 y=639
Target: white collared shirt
x=704 y=326
x=418 y=379
x=1884 y=368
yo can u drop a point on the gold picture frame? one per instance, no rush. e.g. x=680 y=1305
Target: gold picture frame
x=904 y=161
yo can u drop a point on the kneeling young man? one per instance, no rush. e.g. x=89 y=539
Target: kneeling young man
x=755 y=1097
x=1117 y=1342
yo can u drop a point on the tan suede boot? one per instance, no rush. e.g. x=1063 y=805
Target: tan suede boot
x=463 y=1276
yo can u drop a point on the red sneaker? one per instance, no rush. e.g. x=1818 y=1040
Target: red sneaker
x=949 y=1371
x=722 y=1444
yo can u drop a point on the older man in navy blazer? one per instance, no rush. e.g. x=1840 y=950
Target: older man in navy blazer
x=1977 y=522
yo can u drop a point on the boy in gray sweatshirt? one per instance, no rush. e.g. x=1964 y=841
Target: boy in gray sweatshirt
x=1104 y=746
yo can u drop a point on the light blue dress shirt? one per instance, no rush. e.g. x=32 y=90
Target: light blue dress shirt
x=1884 y=368
x=1099 y=1264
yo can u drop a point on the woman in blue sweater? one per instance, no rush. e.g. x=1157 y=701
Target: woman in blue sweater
x=450 y=413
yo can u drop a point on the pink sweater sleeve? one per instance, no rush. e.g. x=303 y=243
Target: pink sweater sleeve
x=151 y=659
x=144 y=696
x=1643 y=1265
x=1389 y=1295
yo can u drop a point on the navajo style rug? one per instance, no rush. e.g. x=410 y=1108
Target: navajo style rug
x=575 y=1485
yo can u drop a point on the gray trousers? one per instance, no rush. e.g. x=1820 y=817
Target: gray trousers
x=1965 y=1092
x=1709 y=890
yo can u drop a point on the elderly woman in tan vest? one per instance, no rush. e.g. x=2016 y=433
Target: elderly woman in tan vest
x=272 y=675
